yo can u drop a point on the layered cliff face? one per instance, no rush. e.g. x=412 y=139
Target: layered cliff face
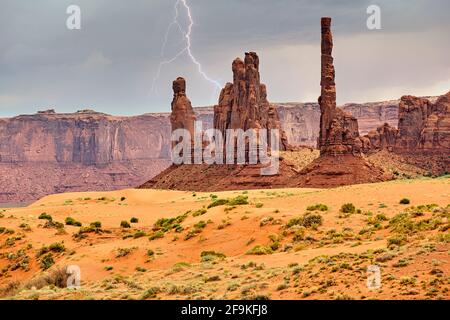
x=436 y=132
x=243 y=104
x=87 y=138
x=413 y=114
x=51 y=153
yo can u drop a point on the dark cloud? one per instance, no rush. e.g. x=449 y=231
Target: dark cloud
x=109 y=65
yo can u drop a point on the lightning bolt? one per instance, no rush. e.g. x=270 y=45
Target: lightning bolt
x=186 y=49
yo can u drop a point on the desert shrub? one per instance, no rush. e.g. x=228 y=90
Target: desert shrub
x=217 y=202
x=200 y=225
x=308 y=220
x=265 y=220
x=47 y=261
x=56 y=247
x=199 y=212
x=72 y=222
x=211 y=255
x=260 y=250
x=123 y=252
x=134 y=220
x=156 y=235
x=45 y=216
x=96 y=225
x=124 y=224
x=57 y=278
x=348 y=208
x=151 y=293
x=167 y=224
x=49 y=224
x=405 y=201
x=150 y=253
x=259 y=205
x=123 y=199
x=25 y=227
x=317 y=207
x=397 y=240
x=6 y=230
x=139 y=234
x=109 y=268
x=239 y=200
x=408 y=281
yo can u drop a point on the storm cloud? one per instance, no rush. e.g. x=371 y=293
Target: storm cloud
x=110 y=64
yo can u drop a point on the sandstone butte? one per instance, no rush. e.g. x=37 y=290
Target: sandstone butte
x=422 y=128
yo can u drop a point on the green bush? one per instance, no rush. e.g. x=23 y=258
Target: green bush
x=134 y=220
x=308 y=220
x=397 y=240
x=96 y=224
x=218 y=202
x=405 y=201
x=239 y=200
x=199 y=212
x=260 y=250
x=156 y=235
x=211 y=255
x=348 y=208
x=139 y=234
x=123 y=252
x=317 y=207
x=72 y=222
x=45 y=216
x=166 y=224
x=124 y=224
x=47 y=261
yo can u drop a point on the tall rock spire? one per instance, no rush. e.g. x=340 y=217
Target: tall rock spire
x=339 y=132
x=327 y=98
x=182 y=116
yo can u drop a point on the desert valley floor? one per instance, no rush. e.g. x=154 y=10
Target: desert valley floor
x=258 y=244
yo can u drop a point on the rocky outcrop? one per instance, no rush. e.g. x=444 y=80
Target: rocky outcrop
x=435 y=137
x=413 y=114
x=383 y=138
x=243 y=104
x=423 y=128
x=339 y=133
x=182 y=116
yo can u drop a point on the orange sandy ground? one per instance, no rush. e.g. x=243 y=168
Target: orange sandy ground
x=316 y=267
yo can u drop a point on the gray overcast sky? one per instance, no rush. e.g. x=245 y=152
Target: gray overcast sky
x=109 y=65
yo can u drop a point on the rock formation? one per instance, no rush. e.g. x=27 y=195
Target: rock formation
x=423 y=128
x=412 y=116
x=339 y=133
x=182 y=116
x=383 y=138
x=243 y=104
x=52 y=152
x=435 y=136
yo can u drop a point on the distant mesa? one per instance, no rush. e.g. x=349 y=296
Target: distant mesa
x=48 y=111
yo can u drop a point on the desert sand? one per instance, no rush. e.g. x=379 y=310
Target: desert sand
x=254 y=250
